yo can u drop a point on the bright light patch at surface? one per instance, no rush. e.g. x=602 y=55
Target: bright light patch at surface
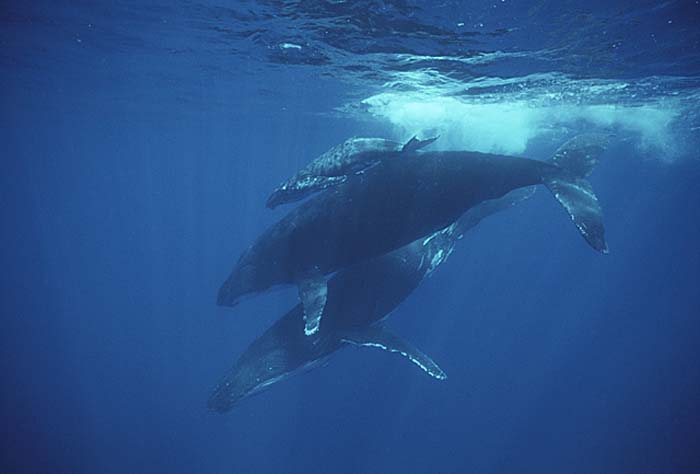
x=508 y=126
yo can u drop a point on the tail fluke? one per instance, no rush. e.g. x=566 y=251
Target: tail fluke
x=576 y=160
x=580 y=154
x=577 y=197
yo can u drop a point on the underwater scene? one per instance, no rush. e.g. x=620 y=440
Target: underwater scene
x=350 y=237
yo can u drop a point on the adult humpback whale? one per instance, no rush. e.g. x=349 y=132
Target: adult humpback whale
x=388 y=206
x=361 y=296
x=359 y=299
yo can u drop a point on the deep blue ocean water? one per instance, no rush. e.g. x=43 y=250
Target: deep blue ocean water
x=141 y=139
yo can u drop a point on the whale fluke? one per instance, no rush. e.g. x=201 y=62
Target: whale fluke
x=375 y=336
x=580 y=202
x=577 y=157
x=580 y=154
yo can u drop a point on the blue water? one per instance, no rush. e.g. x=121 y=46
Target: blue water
x=140 y=141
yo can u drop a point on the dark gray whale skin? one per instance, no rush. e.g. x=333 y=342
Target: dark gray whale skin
x=359 y=297
x=389 y=206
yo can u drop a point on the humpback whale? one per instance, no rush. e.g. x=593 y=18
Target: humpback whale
x=361 y=296
x=391 y=204
x=353 y=156
x=358 y=297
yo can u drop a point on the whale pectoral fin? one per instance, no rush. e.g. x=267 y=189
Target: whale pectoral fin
x=383 y=339
x=313 y=292
x=415 y=144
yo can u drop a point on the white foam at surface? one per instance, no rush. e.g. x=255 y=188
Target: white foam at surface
x=508 y=126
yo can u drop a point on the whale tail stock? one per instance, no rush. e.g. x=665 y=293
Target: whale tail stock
x=574 y=161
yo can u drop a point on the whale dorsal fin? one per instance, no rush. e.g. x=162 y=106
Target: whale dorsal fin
x=415 y=144
x=375 y=336
x=312 y=292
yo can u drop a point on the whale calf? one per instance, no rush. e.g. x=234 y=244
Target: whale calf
x=337 y=165
x=390 y=205
x=361 y=296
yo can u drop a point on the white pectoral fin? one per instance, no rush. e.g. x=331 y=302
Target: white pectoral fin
x=383 y=339
x=313 y=292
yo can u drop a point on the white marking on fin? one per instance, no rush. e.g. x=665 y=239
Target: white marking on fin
x=382 y=339
x=313 y=292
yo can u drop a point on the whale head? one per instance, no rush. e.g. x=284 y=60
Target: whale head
x=242 y=281
x=250 y=376
x=282 y=351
